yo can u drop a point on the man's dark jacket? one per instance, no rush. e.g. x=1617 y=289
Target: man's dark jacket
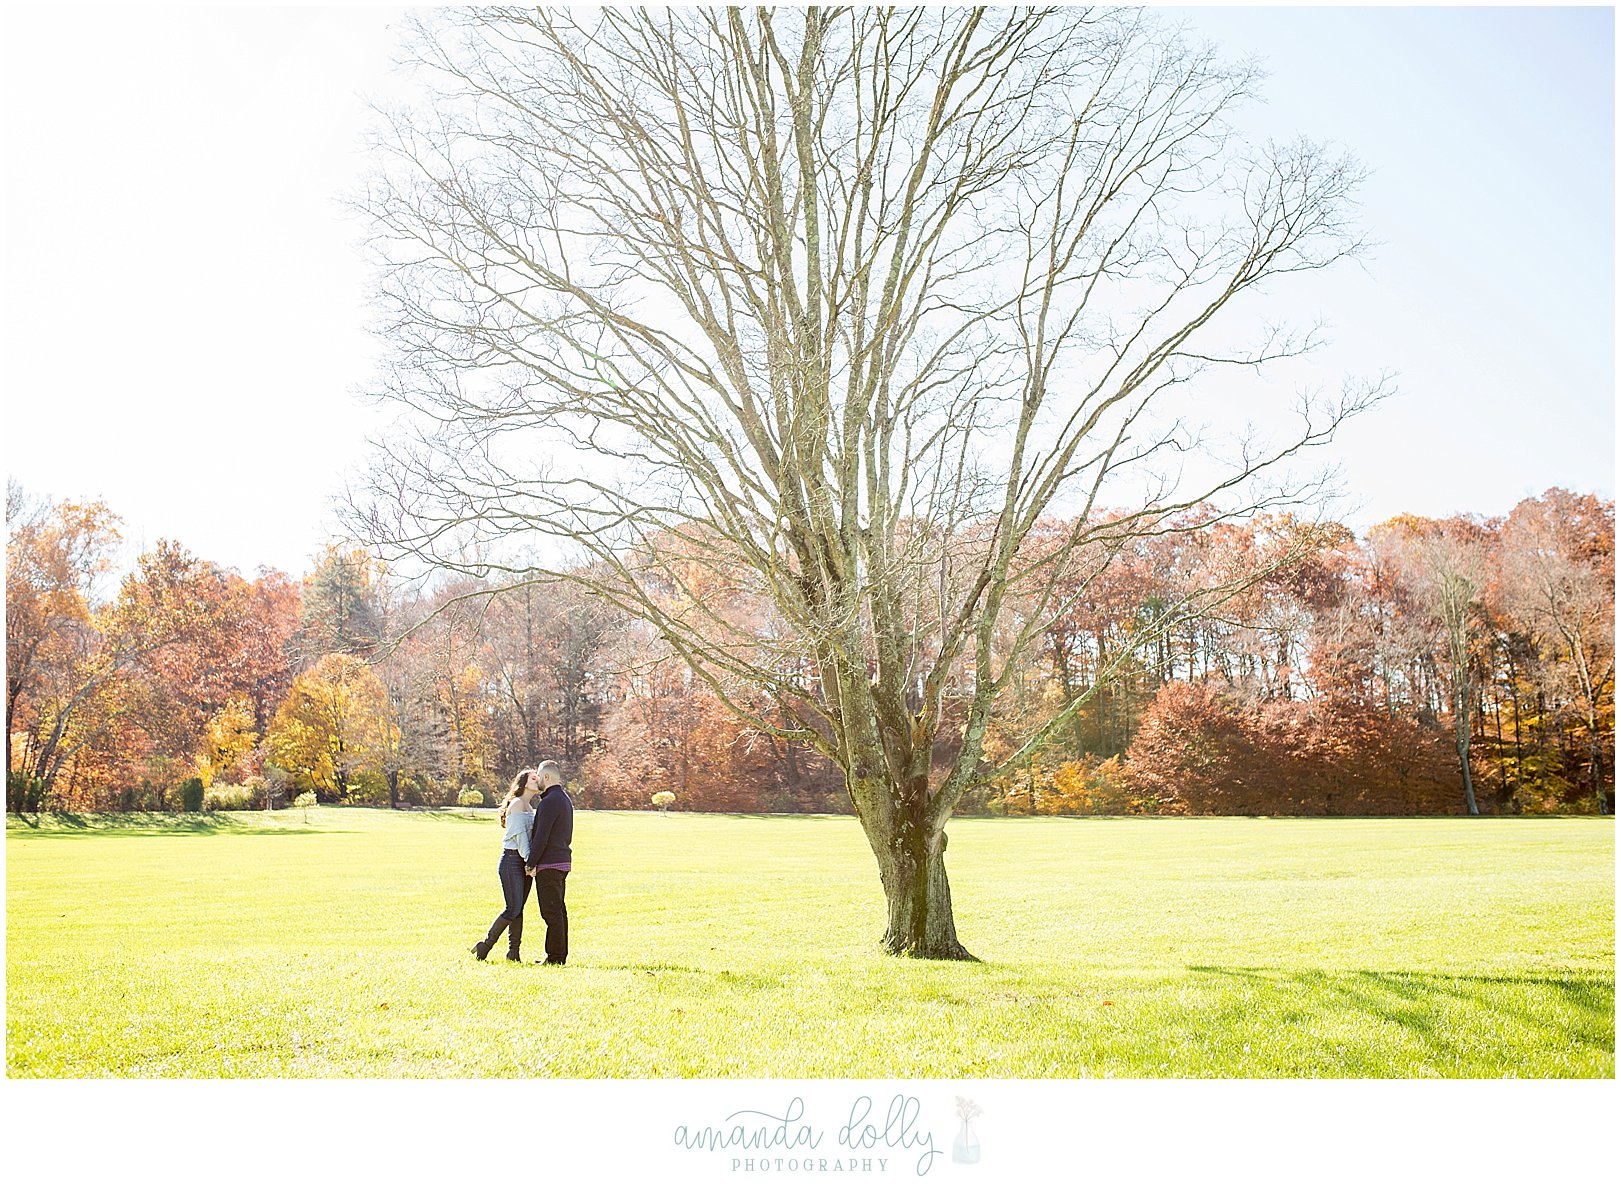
x=553 y=830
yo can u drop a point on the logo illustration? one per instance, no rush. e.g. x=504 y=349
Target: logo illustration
x=966 y=1149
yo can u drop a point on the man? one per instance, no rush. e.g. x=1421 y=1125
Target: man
x=550 y=858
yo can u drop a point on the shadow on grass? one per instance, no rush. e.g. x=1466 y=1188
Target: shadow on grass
x=459 y=815
x=654 y=815
x=754 y=981
x=154 y=825
x=1425 y=1004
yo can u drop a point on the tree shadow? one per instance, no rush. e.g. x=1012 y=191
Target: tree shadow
x=728 y=978
x=442 y=815
x=158 y=825
x=1421 y=1002
x=716 y=815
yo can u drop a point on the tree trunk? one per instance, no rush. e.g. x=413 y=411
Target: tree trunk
x=1469 y=787
x=13 y=692
x=1462 y=697
x=1461 y=720
x=919 y=899
x=886 y=767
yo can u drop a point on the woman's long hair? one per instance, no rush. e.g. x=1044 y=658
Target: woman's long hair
x=519 y=783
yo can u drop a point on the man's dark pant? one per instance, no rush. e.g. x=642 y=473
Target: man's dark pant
x=549 y=895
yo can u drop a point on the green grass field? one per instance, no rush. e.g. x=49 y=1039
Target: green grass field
x=256 y=945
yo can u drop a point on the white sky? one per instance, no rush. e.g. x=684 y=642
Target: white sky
x=186 y=299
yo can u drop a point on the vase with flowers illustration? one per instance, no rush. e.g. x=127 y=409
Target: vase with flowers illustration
x=966 y=1149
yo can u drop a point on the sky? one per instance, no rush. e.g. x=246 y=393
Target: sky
x=186 y=331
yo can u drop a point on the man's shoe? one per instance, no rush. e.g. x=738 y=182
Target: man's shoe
x=481 y=950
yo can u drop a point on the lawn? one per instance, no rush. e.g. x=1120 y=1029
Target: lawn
x=253 y=945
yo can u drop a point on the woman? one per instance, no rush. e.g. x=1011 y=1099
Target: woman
x=517 y=816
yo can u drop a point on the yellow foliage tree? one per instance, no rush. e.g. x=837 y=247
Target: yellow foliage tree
x=228 y=739
x=330 y=727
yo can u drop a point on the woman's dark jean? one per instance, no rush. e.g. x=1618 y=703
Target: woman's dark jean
x=515 y=888
x=515 y=883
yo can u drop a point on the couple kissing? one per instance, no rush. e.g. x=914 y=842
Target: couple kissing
x=537 y=823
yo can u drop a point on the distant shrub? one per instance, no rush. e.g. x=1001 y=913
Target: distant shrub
x=1205 y=748
x=275 y=779
x=663 y=801
x=142 y=798
x=304 y=800
x=368 y=788
x=24 y=793
x=470 y=796
x=232 y=798
x=191 y=794
x=415 y=791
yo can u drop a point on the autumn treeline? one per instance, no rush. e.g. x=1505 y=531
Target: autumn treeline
x=1426 y=666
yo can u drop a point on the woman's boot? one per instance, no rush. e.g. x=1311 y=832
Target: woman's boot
x=514 y=938
x=481 y=949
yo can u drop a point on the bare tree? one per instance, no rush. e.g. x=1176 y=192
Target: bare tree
x=543 y=653
x=830 y=308
x=414 y=740
x=1557 y=573
x=1444 y=563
